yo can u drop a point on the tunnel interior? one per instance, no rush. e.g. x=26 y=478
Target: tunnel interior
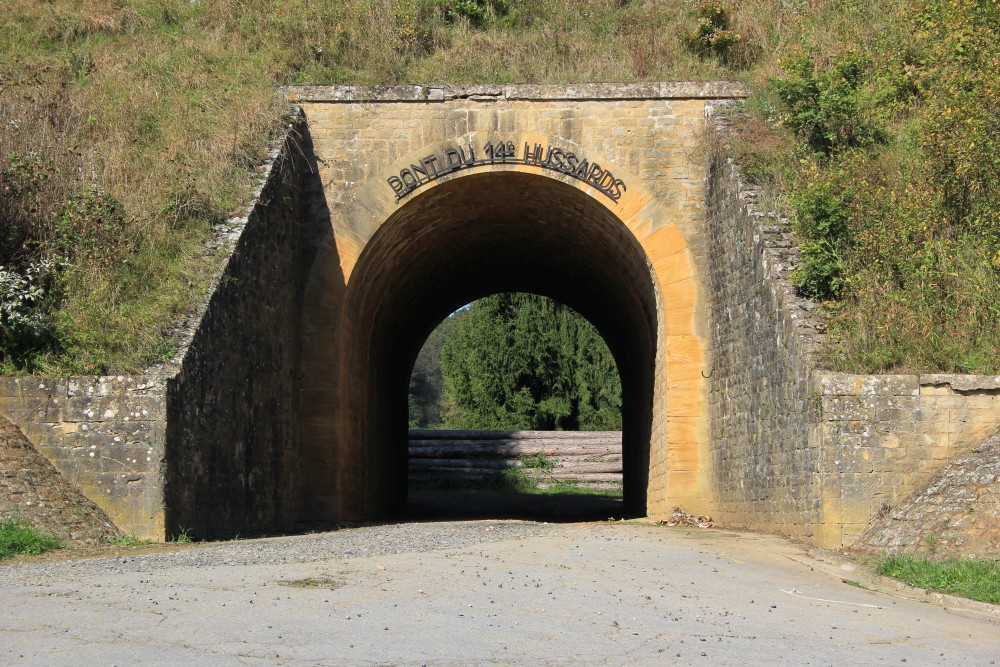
x=462 y=240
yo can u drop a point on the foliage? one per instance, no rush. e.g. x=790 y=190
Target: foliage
x=476 y=12
x=182 y=537
x=824 y=108
x=713 y=34
x=537 y=461
x=976 y=579
x=26 y=301
x=895 y=193
x=129 y=541
x=21 y=538
x=426 y=381
x=821 y=222
x=521 y=361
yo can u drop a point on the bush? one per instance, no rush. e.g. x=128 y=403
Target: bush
x=27 y=299
x=824 y=107
x=713 y=35
x=821 y=223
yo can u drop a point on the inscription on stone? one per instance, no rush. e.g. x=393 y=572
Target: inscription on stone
x=431 y=167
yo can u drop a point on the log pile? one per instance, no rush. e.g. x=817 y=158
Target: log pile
x=588 y=458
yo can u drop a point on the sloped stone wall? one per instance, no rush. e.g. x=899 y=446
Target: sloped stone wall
x=796 y=449
x=766 y=458
x=232 y=434
x=206 y=442
x=883 y=436
x=105 y=435
x=957 y=513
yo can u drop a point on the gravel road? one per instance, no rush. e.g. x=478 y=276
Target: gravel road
x=474 y=593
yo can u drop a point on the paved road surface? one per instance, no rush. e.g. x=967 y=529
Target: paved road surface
x=475 y=593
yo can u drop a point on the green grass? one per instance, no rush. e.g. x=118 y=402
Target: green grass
x=183 y=537
x=976 y=579
x=19 y=538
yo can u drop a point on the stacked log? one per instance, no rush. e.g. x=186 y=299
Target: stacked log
x=587 y=458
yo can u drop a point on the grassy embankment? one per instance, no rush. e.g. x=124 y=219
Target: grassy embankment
x=130 y=126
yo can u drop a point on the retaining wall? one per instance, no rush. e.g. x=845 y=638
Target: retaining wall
x=796 y=449
x=103 y=434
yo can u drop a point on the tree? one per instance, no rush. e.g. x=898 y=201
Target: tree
x=522 y=361
x=426 y=381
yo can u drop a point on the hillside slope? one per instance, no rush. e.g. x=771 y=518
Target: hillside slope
x=130 y=127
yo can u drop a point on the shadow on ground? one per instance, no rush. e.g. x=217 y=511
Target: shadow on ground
x=451 y=505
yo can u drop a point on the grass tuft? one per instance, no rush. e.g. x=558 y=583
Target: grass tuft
x=19 y=538
x=976 y=579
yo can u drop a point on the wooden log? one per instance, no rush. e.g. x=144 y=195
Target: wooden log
x=590 y=477
x=498 y=464
x=443 y=471
x=586 y=467
x=421 y=449
x=469 y=477
x=424 y=434
x=500 y=442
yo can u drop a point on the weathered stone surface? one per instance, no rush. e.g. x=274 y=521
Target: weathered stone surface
x=956 y=513
x=532 y=92
x=962 y=383
x=103 y=434
x=31 y=489
x=232 y=434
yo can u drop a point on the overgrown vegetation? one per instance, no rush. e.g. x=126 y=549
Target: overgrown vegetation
x=129 y=127
x=19 y=538
x=976 y=579
x=895 y=189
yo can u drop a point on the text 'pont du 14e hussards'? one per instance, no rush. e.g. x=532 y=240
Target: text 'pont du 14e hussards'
x=431 y=167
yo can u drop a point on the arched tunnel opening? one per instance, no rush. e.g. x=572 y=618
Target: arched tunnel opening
x=515 y=412
x=461 y=240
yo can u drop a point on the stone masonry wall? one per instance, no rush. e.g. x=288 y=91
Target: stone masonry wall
x=104 y=434
x=883 y=436
x=232 y=461
x=204 y=442
x=765 y=458
x=796 y=449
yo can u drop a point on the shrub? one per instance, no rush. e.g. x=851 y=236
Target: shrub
x=27 y=299
x=713 y=35
x=824 y=107
x=821 y=223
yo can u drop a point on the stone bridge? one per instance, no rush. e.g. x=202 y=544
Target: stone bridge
x=385 y=209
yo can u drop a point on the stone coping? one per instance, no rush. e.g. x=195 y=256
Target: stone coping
x=653 y=90
x=899 y=384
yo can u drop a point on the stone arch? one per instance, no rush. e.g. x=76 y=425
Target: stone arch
x=392 y=270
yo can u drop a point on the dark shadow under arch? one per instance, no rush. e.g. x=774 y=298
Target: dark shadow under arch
x=462 y=240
